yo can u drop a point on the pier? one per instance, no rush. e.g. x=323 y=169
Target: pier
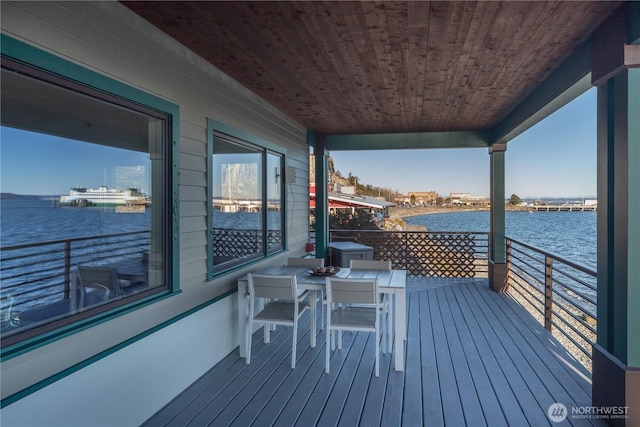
x=564 y=208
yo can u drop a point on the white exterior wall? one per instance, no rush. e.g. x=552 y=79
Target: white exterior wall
x=124 y=386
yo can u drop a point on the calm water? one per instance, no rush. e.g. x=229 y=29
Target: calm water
x=32 y=221
x=571 y=235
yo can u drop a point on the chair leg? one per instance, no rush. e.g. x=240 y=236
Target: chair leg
x=313 y=318
x=295 y=343
x=377 y=351
x=249 y=331
x=390 y=323
x=248 y=338
x=267 y=333
x=321 y=301
x=382 y=320
x=327 y=344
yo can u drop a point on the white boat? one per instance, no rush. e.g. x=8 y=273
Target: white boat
x=103 y=196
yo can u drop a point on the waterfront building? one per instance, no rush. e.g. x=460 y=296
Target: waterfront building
x=201 y=87
x=345 y=198
x=423 y=197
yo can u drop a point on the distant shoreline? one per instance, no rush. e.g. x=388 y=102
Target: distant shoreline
x=399 y=213
x=13 y=196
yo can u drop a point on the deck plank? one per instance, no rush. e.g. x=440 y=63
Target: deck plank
x=548 y=368
x=375 y=397
x=472 y=411
x=500 y=386
x=449 y=393
x=336 y=397
x=308 y=400
x=412 y=407
x=277 y=398
x=482 y=383
x=432 y=414
x=226 y=392
x=564 y=372
x=504 y=351
x=362 y=381
x=473 y=357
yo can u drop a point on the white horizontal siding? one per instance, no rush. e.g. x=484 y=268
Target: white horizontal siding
x=193 y=239
x=193 y=178
x=108 y=38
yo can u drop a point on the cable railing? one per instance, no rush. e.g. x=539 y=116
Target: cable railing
x=39 y=274
x=560 y=293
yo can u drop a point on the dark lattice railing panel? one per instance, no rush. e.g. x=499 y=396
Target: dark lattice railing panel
x=451 y=255
x=237 y=243
x=274 y=238
x=428 y=254
x=231 y=243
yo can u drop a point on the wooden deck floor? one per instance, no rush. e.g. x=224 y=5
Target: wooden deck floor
x=473 y=357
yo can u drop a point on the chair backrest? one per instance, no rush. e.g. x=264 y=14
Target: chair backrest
x=106 y=277
x=367 y=264
x=352 y=291
x=272 y=286
x=305 y=262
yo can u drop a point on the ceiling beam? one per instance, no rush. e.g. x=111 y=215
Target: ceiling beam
x=570 y=80
x=404 y=141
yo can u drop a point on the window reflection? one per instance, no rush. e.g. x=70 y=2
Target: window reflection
x=247 y=199
x=84 y=207
x=274 y=202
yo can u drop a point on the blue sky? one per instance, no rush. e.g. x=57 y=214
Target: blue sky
x=555 y=158
x=37 y=164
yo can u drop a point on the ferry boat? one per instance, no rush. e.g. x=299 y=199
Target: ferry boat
x=103 y=196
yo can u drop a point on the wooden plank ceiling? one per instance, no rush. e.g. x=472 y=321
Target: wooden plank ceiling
x=380 y=67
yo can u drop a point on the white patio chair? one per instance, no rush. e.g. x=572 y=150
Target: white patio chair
x=97 y=285
x=305 y=262
x=354 y=305
x=310 y=263
x=387 y=307
x=283 y=306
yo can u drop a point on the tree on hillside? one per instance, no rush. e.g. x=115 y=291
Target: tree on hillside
x=343 y=219
x=515 y=200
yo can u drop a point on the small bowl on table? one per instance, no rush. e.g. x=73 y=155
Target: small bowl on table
x=323 y=271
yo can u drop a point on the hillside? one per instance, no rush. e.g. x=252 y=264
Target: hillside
x=12 y=196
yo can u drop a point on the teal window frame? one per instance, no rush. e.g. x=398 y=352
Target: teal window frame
x=33 y=57
x=219 y=129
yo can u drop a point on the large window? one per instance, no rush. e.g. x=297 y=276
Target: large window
x=86 y=183
x=247 y=197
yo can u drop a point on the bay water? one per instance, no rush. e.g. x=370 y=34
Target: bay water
x=570 y=235
x=26 y=221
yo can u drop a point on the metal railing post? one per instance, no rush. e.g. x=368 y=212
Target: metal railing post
x=548 y=292
x=67 y=269
x=508 y=259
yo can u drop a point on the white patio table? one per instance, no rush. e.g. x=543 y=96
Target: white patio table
x=391 y=282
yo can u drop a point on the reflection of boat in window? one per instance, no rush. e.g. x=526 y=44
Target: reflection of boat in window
x=103 y=196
